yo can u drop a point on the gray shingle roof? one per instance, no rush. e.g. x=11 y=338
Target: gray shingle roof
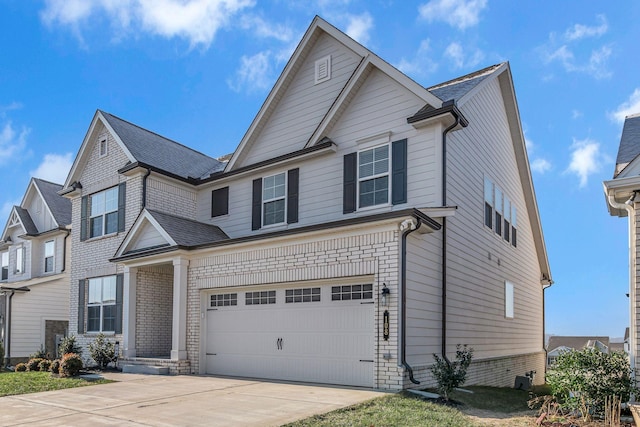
x=187 y=232
x=458 y=87
x=160 y=152
x=629 y=147
x=576 y=343
x=60 y=206
x=27 y=222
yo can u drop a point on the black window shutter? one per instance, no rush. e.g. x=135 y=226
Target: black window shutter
x=256 y=208
x=350 y=178
x=122 y=201
x=81 y=305
x=292 y=195
x=83 y=218
x=119 y=291
x=399 y=172
x=220 y=202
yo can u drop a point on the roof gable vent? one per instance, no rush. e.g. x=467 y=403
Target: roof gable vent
x=323 y=69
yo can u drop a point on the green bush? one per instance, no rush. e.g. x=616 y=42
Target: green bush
x=69 y=345
x=44 y=365
x=40 y=354
x=102 y=351
x=70 y=365
x=21 y=367
x=34 y=364
x=582 y=380
x=450 y=375
x=55 y=366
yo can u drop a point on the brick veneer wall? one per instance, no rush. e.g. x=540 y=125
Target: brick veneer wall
x=154 y=311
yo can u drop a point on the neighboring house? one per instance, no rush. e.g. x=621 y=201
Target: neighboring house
x=621 y=195
x=560 y=344
x=363 y=224
x=34 y=284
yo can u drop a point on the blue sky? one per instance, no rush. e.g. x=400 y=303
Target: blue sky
x=198 y=71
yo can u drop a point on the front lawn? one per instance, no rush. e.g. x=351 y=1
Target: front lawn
x=12 y=383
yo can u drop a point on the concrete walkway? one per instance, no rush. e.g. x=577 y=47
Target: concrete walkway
x=151 y=400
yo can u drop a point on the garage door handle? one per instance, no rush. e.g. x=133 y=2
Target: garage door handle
x=279 y=343
x=366 y=360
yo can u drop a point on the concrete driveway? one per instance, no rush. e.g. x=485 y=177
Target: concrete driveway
x=152 y=400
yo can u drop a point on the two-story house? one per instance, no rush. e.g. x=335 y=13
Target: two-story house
x=34 y=284
x=363 y=224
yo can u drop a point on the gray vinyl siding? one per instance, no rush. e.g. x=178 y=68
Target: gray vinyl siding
x=381 y=105
x=39 y=213
x=479 y=261
x=148 y=237
x=304 y=103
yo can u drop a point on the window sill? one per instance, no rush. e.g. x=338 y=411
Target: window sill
x=376 y=208
x=270 y=226
x=104 y=236
x=96 y=333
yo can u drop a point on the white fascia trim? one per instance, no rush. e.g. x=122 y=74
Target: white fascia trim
x=133 y=232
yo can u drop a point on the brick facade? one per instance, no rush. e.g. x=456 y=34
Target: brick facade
x=154 y=305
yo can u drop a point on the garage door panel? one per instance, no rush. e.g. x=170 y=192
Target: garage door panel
x=317 y=341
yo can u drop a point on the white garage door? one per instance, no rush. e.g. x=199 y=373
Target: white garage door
x=305 y=333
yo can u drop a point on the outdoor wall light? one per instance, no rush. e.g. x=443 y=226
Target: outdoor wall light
x=385 y=295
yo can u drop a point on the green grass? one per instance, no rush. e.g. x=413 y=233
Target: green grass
x=497 y=399
x=402 y=409
x=12 y=383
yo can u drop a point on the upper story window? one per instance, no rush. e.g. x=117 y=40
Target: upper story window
x=373 y=176
x=104 y=212
x=273 y=199
x=101 y=304
x=5 y=265
x=499 y=212
x=49 y=251
x=20 y=256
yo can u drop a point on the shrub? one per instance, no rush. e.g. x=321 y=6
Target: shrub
x=34 y=364
x=450 y=375
x=69 y=345
x=44 y=365
x=40 y=354
x=583 y=380
x=55 y=366
x=1 y=354
x=21 y=367
x=70 y=365
x=102 y=351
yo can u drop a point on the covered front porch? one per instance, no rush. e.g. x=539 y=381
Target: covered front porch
x=154 y=332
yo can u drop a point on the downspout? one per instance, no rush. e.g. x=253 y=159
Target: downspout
x=64 y=251
x=409 y=227
x=443 y=302
x=628 y=206
x=144 y=188
x=7 y=335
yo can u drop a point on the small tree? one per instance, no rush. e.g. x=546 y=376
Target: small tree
x=450 y=375
x=70 y=365
x=69 y=345
x=583 y=380
x=102 y=351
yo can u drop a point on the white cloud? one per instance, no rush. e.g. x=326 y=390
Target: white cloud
x=12 y=141
x=5 y=210
x=461 y=14
x=627 y=108
x=540 y=165
x=576 y=114
x=359 y=27
x=255 y=73
x=196 y=21
x=586 y=159
x=264 y=29
x=580 y=31
x=455 y=52
x=54 y=168
x=421 y=64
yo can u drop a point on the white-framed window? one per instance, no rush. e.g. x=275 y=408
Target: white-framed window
x=260 y=297
x=514 y=226
x=20 y=252
x=5 y=265
x=103 y=147
x=488 y=203
x=373 y=176
x=500 y=213
x=223 y=300
x=508 y=300
x=506 y=229
x=104 y=212
x=274 y=200
x=49 y=253
x=302 y=295
x=101 y=304
x=498 y=207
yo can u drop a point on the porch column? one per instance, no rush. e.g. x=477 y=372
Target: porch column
x=130 y=287
x=179 y=327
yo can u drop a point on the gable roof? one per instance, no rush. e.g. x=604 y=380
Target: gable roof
x=460 y=86
x=59 y=206
x=576 y=342
x=187 y=232
x=629 y=147
x=26 y=220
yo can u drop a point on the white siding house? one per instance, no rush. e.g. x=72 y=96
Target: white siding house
x=345 y=241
